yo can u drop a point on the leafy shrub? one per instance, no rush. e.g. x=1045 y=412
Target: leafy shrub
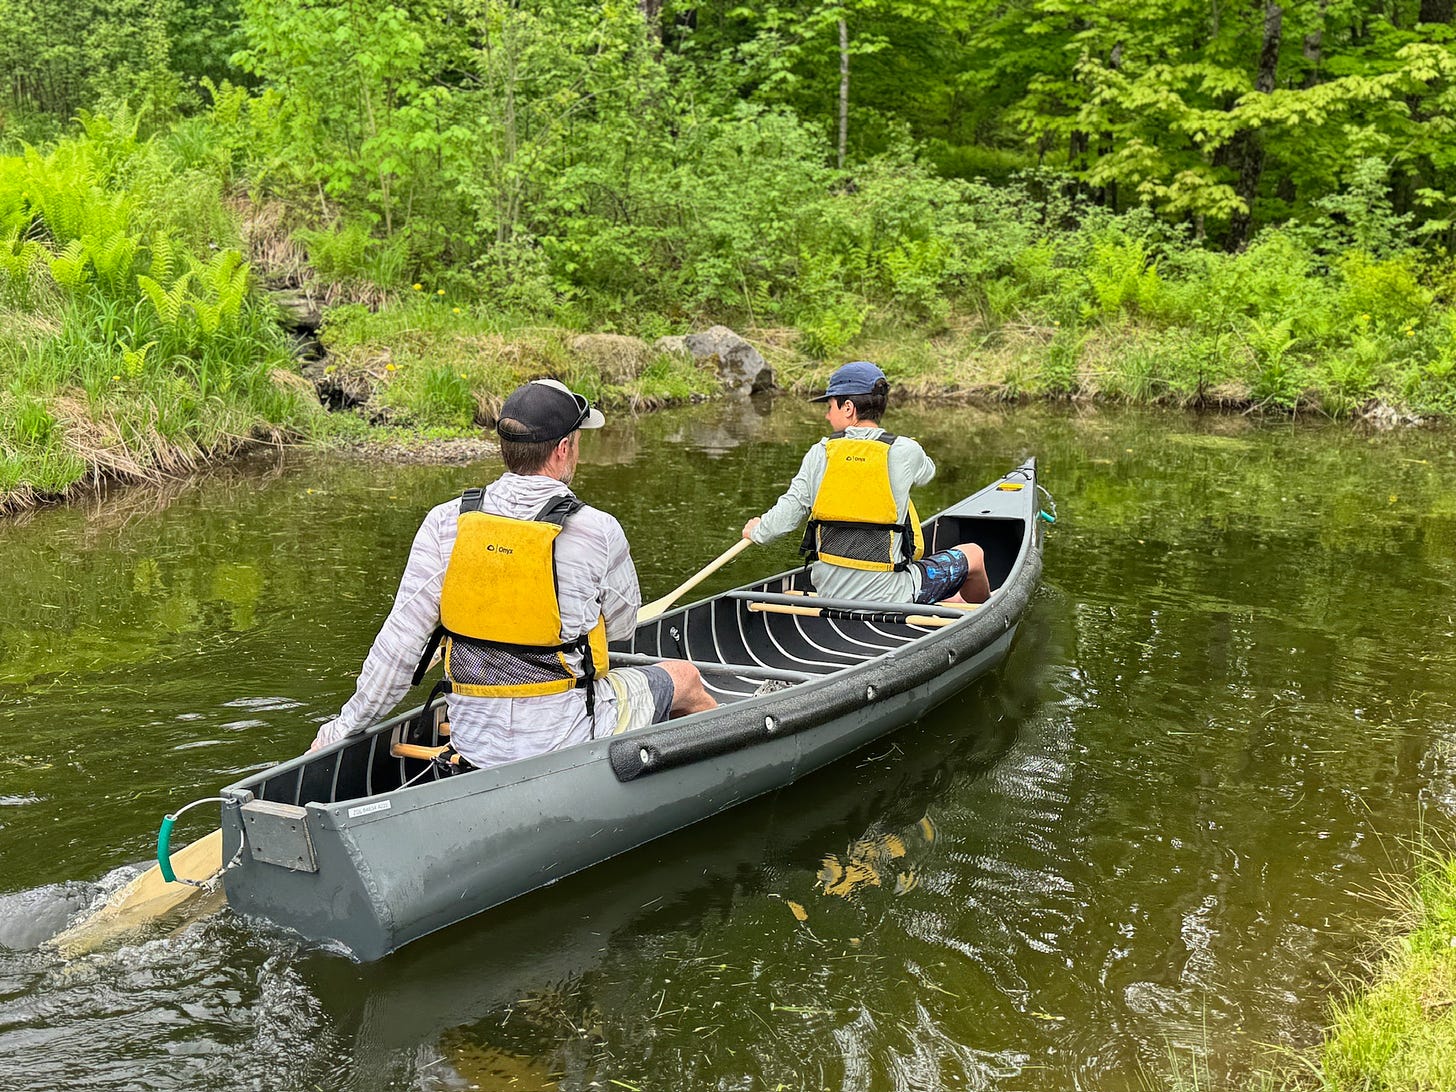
x=1388 y=291
x=1059 y=369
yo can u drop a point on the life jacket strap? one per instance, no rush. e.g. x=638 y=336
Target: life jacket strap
x=429 y=654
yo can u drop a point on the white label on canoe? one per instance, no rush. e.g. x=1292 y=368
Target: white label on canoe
x=368 y=809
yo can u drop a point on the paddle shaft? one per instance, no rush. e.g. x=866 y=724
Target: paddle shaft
x=829 y=612
x=657 y=606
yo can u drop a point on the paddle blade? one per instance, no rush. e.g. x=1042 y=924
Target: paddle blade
x=148 y=898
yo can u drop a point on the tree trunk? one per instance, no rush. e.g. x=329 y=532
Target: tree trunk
x=1251 y=167
x=1109 y=143
x=1314 y=47
x=843 y=90
x=1077 y=150
x=1437 y=11
x=652 y=15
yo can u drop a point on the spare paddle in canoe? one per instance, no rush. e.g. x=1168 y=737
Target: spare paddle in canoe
x=852 y=615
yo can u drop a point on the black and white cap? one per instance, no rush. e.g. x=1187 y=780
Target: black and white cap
x=545 y=410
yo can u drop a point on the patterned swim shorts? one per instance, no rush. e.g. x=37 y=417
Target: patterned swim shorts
x=644 y=696
x=941 y=575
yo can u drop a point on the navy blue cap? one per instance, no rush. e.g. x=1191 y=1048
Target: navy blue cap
x=856 y=377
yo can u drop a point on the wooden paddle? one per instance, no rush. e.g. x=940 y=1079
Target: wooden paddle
x=657 y=606
x=147 y=898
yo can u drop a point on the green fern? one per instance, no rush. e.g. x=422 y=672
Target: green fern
x=113 y=259
x=18 y=256
x=164 y=258
x=167 y=302
x=69 y=267
x=134 y=361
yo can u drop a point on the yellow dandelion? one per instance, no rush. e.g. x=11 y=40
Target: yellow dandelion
x=418 y=287
x=1410 y=333
x=464 y=376
x=455 y=309
x=439 y=291
x=116 y=379
x=389 y=367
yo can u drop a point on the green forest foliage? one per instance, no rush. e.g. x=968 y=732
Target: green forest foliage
x=1152 y=201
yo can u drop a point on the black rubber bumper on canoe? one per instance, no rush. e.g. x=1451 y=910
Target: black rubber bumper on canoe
x=732 y=727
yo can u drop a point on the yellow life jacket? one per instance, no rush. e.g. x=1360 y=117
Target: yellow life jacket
x=500 y=620
x=854 y=515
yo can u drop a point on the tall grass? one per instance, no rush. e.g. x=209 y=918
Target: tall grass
x=1398 y=1032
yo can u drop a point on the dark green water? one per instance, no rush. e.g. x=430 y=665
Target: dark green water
x=1155 y=833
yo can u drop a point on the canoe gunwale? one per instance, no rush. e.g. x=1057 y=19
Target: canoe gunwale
x=743 y=724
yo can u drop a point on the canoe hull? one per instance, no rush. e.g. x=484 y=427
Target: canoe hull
x=460 y=846
x=374 y=870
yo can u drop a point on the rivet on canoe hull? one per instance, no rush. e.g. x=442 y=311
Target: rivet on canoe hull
x=871 y=693
x=769 y=724
x=950 y=656
x=646 y=756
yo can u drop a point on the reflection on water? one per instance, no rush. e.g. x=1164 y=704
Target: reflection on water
x=1150 y=832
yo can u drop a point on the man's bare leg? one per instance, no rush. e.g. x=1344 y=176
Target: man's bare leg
x=688 y=693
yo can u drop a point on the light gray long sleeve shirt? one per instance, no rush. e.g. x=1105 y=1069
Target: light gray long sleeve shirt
x=909 y=466
x=594 y=576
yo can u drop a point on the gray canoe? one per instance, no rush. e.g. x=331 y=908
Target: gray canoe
x=364 y=852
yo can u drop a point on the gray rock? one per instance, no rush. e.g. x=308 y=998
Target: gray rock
x=619 y=358
x=298 y=311
x=741 y=368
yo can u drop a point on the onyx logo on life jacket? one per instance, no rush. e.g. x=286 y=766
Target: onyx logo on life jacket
x=500 y=620
x=854 y=518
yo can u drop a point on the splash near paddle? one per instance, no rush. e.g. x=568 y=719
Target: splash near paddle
x=147 y=899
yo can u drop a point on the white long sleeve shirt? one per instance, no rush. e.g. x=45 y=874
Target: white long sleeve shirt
x=909 y=466
x=594 y=576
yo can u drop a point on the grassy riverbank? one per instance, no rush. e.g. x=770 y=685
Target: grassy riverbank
x=136 y=339
x=1393 y=1029
x=132 y=343
x=1398 y=1031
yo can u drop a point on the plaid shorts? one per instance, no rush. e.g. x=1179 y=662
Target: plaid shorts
x=941 y=575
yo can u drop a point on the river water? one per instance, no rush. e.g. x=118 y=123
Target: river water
x=1155 y=839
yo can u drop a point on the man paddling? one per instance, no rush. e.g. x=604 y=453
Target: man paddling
x=521 y=585
x=863 y=536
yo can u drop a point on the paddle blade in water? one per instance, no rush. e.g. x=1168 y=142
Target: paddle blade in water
x=146 y=899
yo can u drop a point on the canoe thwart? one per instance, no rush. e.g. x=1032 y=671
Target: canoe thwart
x=861 y=605
x=714 y=667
